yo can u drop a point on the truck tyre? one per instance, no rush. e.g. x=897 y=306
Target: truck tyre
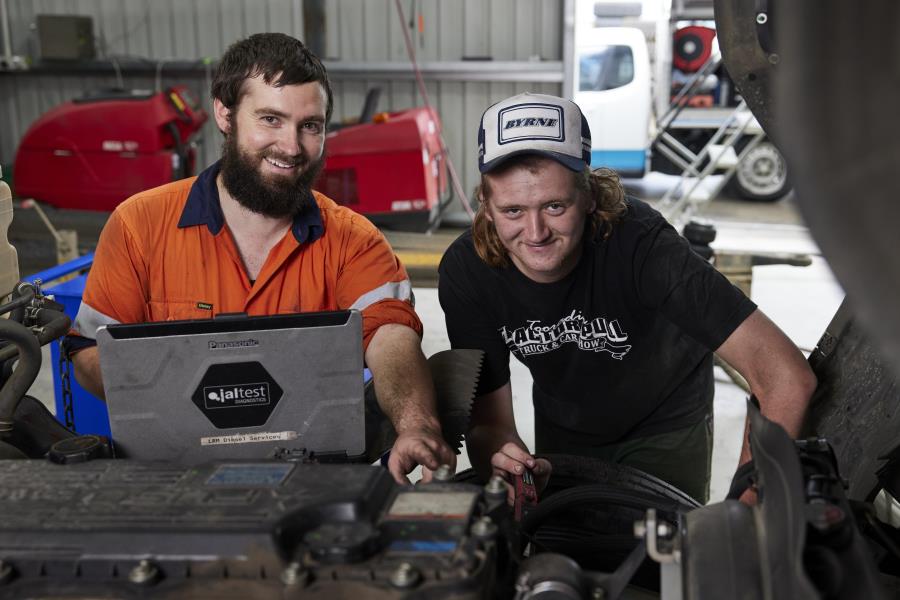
x=761 y=175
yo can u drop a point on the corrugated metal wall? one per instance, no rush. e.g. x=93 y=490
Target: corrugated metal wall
x=357 y=31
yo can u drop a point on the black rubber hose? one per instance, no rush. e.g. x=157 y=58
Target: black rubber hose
x=26 y=372
x=52 y=324
x=22 y=294
x=8 y=451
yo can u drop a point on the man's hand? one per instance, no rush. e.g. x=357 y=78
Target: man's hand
x=419 y=447
x=750 y=497
x=494 y=445
x=512 y=460
x=405 y=393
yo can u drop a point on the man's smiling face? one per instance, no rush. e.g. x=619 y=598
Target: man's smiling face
x=539 y=217
x=274 y=145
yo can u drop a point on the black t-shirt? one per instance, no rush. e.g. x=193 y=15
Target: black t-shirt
x=619 y=348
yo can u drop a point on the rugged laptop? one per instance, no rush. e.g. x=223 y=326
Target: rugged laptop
x=235 y=386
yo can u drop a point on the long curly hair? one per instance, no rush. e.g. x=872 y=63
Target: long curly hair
x=602 y=185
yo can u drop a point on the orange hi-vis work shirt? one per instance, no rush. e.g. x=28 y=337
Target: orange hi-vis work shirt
x=167 y=254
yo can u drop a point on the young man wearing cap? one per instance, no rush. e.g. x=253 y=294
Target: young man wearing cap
x=609 y=308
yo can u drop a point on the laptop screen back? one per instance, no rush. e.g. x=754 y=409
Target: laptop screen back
x=235 y=386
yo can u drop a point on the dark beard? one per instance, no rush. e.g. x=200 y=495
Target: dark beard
x=276 y=197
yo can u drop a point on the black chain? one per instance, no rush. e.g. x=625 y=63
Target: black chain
x=65 y=378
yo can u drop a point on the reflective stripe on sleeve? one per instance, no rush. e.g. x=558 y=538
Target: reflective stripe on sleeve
x=89 y=320
x=395 y=290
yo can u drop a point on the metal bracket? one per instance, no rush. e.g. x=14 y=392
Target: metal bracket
x=652 y=531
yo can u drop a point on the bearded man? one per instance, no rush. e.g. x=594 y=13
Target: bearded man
x=250 y=235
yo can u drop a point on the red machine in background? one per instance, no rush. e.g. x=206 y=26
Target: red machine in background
x=94 y=152
x=693 y=47
x=389 y=167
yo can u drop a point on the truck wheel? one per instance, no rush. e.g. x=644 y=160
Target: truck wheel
x=762 y=174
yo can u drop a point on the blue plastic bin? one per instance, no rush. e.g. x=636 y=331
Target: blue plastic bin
x=90 y=415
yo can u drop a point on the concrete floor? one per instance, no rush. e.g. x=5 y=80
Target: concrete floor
x=801 y=300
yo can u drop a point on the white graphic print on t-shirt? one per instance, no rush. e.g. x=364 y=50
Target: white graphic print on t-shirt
x=596 y=335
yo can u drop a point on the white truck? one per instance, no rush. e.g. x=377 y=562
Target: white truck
x=623 y=82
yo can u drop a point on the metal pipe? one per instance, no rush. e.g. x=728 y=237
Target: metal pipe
x=4 y=26
x=463 y=70
x=22 y=294
x=568 y=80
x=51 y=325
x=518 y=71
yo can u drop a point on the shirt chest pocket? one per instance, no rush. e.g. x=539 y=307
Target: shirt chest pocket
x=178 y=311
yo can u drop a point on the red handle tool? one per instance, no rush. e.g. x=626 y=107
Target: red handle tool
x=526 y=494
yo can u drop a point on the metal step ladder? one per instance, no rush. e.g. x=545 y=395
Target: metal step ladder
x=684 y=199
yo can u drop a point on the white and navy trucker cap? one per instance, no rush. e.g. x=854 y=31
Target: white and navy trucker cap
x=534 y=124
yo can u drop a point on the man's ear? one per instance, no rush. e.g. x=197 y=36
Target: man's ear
x=222 y=115
x=487 y=211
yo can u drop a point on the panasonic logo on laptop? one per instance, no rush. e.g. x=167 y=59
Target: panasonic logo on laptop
x=229 y=396
x=214 y=345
